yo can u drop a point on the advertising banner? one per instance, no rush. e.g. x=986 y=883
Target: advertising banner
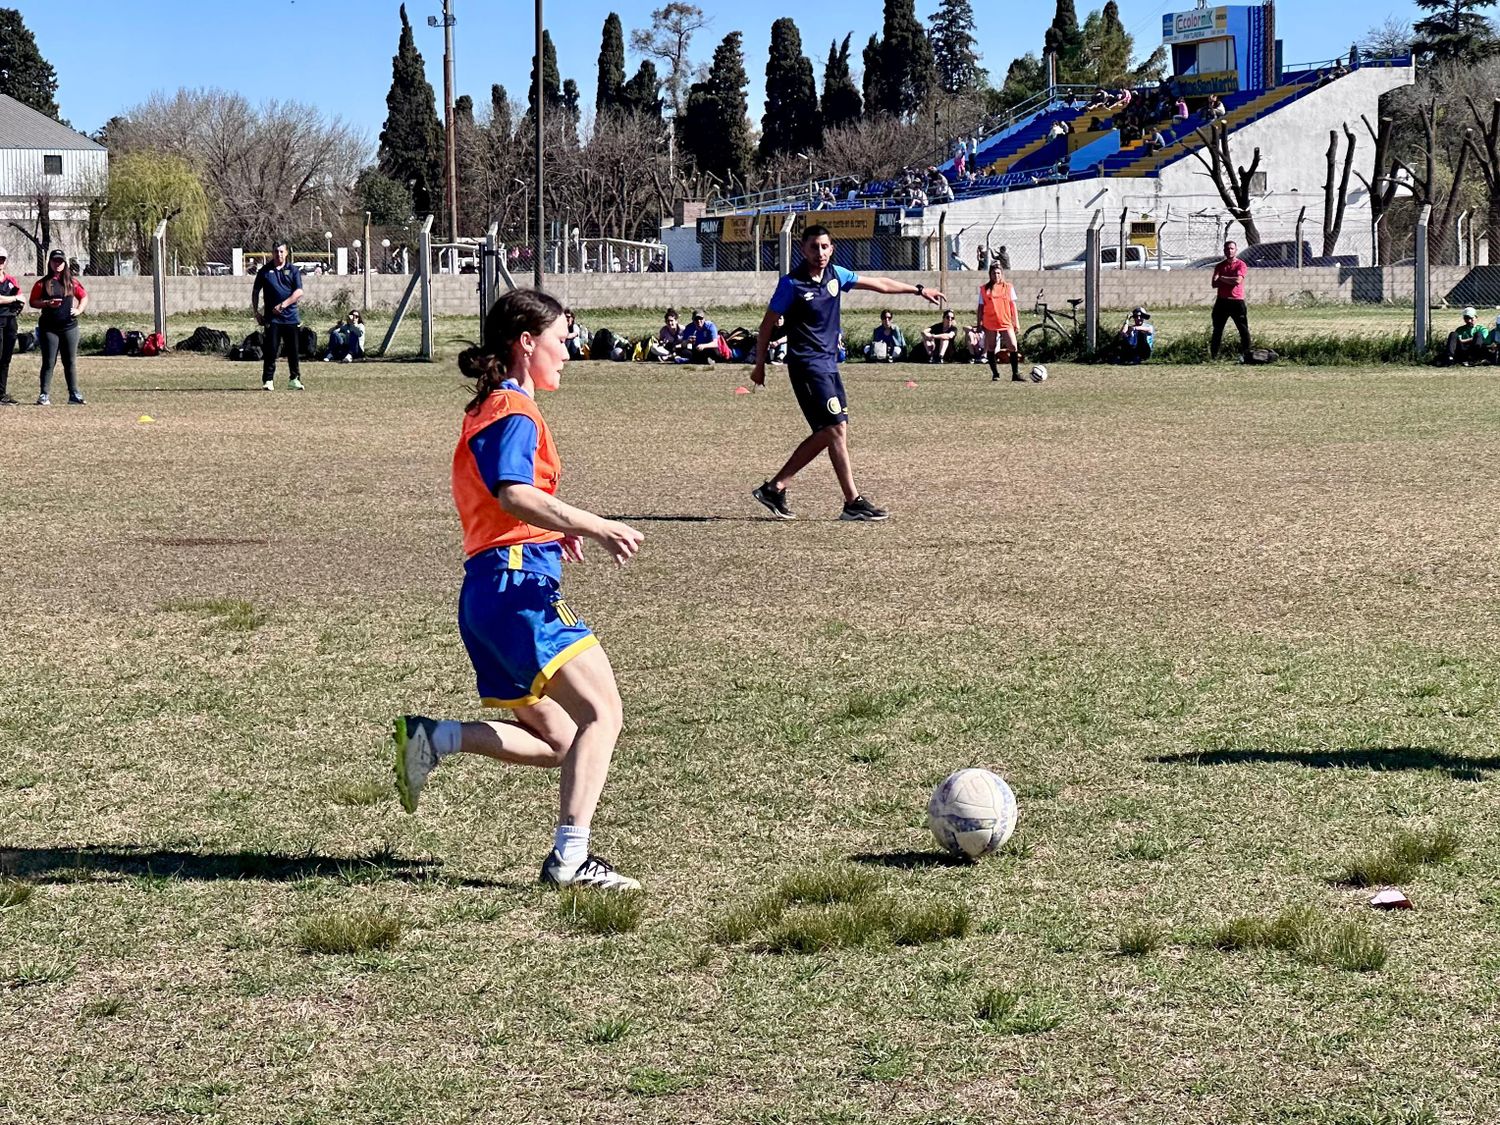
x=1200 y=23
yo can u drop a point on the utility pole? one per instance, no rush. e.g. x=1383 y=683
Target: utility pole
x=538 y=237
x=450 y=133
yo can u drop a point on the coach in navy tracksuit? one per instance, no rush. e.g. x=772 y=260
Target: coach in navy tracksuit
x=280 y=283
x=809 y=299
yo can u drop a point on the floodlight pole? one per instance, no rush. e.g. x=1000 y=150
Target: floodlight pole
x=451 y=126
x=538 y=237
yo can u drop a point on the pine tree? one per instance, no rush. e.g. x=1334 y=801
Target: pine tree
x=1025 y=78
x=611 y=66
x=411 y=144
x=905 y=74
x=1064 y=39
x=954 y=48
x=792 y=122
x=717 y=126
x=1454 y=30
x=642 y=94
x=841 y=101
x=24 y=74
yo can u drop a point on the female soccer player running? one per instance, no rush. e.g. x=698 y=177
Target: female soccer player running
x=1000 y=321
x=530 y=653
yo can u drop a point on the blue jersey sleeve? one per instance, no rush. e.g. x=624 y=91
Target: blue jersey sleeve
x=782 y=299
x=846 y=277
x=505 y=451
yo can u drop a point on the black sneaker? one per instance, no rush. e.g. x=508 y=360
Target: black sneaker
x=775 y=501
x=77 y=400
x=594 y=873
x=8 y=400
x=861 y=510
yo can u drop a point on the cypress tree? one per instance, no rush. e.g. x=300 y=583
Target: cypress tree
x=411 y=144
x=24 y=74
x=905 y=72
x=1454 y=29
x=642 y=94
x=841 y=102
x=611 y=66
x=792 y=122
x=552 y=95
x=716 y=131
x=955 y=55
x=501 y=125
x=1064 y=38
x=870 y=80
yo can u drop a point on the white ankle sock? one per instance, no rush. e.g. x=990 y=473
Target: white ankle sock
x=446 y=737
x=571 y=843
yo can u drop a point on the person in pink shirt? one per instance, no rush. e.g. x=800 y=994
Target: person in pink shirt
x=1229 y=302
x=11 y=303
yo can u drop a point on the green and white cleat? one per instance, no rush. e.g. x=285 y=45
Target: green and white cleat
x=594 y=873
x=415 y=757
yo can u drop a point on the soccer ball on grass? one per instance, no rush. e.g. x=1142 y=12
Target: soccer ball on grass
x=1039 y=374
x=972 y=813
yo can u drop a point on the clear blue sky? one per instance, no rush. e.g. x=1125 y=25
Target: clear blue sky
x=336 y=54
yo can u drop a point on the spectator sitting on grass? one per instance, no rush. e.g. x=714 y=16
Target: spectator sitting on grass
x=577 y=338
x=1137 y=337
x=346 y=339
x=1467 y=342
x=668 y=345
x=939 y=337
x=702 y=339
x=776 y=351
x=887 y=344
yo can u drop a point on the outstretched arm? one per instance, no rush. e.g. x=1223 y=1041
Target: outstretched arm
x=894 y=288
x=538 y=508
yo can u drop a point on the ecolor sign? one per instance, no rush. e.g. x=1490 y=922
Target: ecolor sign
x=1200 y=23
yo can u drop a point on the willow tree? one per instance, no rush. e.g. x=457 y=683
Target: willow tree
x=147 y=187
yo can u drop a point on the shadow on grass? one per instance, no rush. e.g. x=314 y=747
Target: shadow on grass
x=909 y=859
x=76 y=864
x=689 y=519
x=191 y=390
x=1379 y=759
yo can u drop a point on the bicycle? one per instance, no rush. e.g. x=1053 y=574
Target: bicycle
x=1053 y=333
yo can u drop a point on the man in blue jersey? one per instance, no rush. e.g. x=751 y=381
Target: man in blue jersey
x=280 y=284
x=808 y=298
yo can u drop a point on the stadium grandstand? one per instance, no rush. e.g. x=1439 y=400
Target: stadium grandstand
x=1034 y=180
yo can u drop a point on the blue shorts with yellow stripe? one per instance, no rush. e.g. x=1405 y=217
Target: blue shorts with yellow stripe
x=517 y=628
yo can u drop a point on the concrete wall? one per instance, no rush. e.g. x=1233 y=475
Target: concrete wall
x=457 y=296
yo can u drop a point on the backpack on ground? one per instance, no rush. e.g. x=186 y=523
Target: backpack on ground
x=307 y=342
x=1260 y=356
x=205 y=340
x=154 y=344
x=253 y=346
x=608 y=344
x=723 y=346
x=114 y=342
x=133 y=342
x=25 y=341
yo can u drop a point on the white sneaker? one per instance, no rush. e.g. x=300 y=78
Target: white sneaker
x=328 y=359
x=593 y=872
x=268 y=386
x=415 y=757
x=348 y=359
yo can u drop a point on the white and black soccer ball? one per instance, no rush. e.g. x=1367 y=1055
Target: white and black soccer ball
x=1039 y=374
x=972 y=813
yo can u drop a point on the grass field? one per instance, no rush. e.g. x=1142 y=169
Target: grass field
x=1231 y=636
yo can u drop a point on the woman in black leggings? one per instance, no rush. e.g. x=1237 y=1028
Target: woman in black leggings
x=60 y=299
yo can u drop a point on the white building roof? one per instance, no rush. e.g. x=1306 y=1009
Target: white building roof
x=23 y=127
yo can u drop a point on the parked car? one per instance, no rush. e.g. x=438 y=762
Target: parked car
x=1136 y=258
x=215 y=269
x=1279 y=255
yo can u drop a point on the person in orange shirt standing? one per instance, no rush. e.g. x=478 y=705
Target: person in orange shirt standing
x=530 y=653
x=1000 y=321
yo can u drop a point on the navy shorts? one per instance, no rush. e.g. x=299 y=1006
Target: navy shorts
x=821 y=396
x=519 y=632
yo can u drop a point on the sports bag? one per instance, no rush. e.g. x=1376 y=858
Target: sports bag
x=114 y=342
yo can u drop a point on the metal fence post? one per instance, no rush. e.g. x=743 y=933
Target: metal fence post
x=159 y=277
x=943 y=251
x=1421 y=284
x=1091 y=281
x=785 y=248
x=1120 y=260
x=1301 y=218
x=424 y=270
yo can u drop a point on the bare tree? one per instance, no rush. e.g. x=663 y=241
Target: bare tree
x=872 y=150
x=1232 y=183
x=1425 y=187
x=1486 y=153
x=1388 y=39
x=261 y=165
x=668 y=39
x=1382 y=189
x=1335 y=197
x=36 y=205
